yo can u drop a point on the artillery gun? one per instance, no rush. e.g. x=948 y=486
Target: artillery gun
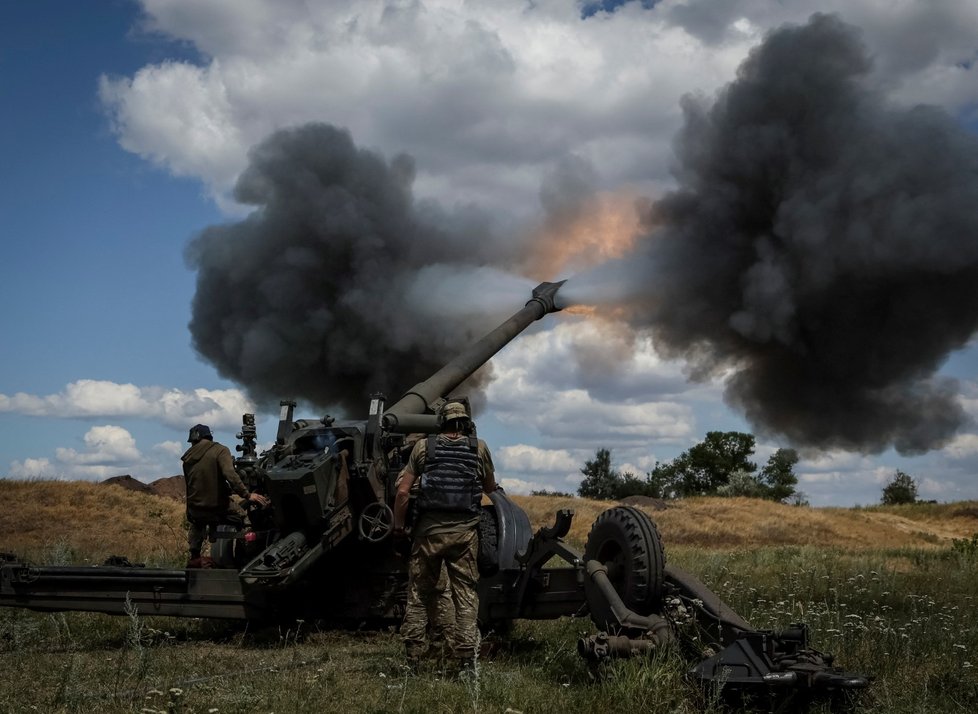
x=324 y=551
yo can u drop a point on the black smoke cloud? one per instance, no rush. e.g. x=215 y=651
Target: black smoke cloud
x=821 y=250
x=340 y=284
x=820 y=254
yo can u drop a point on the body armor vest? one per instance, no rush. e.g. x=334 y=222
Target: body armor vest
x=450 y=481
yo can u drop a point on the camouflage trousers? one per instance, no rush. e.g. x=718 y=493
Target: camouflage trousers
x=455 y=555
x=424 y=637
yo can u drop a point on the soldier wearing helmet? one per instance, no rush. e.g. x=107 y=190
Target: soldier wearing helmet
x=209 y=471
x=455 y=469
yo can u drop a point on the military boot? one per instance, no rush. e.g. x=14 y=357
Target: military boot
x=202 y=561
x=414 y=658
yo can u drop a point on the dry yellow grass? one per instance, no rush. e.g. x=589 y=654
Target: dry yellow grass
x=89 y=519
x=96 y=521
x=719 y=523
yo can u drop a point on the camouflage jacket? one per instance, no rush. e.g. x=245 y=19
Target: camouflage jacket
x=209 y=470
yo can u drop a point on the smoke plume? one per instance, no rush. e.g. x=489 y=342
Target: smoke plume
x=339 y=284
x=820 y=252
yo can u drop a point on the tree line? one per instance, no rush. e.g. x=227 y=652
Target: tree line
x=720 y=465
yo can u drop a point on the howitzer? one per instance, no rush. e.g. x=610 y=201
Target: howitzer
x=323 y=551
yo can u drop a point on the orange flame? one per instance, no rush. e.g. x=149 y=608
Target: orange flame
x=606 y=227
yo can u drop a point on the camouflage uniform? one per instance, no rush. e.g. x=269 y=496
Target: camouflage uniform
x=421 y=636
x=209 y=470
x=446 y=541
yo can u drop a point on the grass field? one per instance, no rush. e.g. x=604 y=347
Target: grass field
x=892 y=591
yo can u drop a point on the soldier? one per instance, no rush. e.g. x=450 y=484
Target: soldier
x=416 y=629
x=209 y=471
x=455 y=469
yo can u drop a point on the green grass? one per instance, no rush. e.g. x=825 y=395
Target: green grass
x=80 y=662
x=907 y=617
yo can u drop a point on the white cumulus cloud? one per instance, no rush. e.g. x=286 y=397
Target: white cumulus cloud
x=219 y=408
x=522 y=457
x=106 y=450
x=519 y=486
x=32 y=468
x=174 y=449
x=486 y=95
x=564 y=386
x=105 y=445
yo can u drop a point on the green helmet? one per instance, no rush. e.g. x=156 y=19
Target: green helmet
x=454 y=410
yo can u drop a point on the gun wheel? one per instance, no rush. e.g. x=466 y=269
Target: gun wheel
x=376 y=522
x=488 y=559
x=227 y=552
x=627 y=542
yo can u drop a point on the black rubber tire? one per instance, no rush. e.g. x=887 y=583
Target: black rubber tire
x=223 y=549
x=627 y=542
x=488 y=558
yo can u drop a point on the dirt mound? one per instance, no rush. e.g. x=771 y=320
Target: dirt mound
x=174 y=487
x=127 y=482
x=646 y=502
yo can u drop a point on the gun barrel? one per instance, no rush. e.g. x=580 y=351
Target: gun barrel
x=412 y=411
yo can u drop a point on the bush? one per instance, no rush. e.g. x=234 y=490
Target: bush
x=965 y=547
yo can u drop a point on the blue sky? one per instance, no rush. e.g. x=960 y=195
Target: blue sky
x=125 y=123
x=91 y=233
x=95 y=284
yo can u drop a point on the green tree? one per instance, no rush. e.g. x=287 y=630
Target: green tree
x=902 y=489
x=778 y=476
x=744 y=484
x=630 y=485
x=664 y=480
x=704 y=468
x=659 y=482
x=600 y=480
